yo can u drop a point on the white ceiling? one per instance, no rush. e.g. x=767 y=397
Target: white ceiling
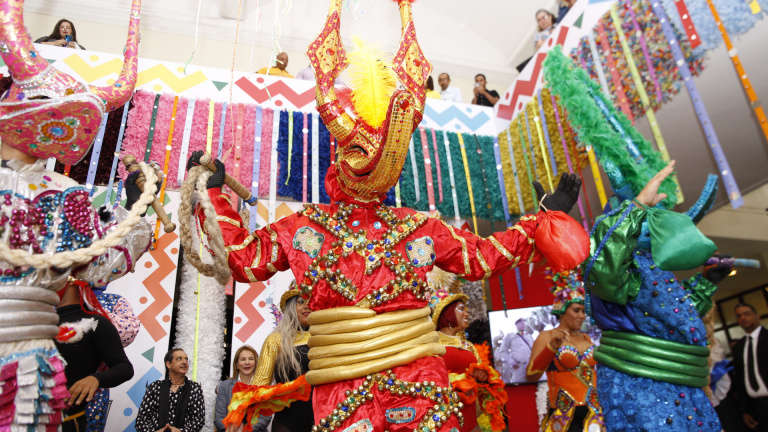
x=461 y=37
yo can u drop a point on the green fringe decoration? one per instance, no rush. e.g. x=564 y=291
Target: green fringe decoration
x=408 y=191
x=571 y=85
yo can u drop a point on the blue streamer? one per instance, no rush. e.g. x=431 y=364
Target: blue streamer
x=116 y=158
x=256 y=166
x=500 y=176
x=93 y=165
x=222 y=125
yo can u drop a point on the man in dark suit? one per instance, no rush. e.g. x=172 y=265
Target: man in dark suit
x=750 y=360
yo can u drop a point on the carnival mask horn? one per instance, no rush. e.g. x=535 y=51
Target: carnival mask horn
x=373 y=145
x=47 y=113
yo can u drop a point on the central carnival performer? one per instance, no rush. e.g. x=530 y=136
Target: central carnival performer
x=374 y=353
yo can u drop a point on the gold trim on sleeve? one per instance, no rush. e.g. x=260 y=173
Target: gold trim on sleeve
x=502 y=250
x=484 y=265
x=464 y=252
x=228 y=220
x=522 y=231
x=226 y=197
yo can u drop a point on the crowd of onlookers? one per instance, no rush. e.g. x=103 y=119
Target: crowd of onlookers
x=65 y=35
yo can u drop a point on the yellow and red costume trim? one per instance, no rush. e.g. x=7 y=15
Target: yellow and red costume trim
x=251 y=401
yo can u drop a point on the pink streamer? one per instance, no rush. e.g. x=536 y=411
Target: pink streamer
x=266 y=151
x=427 y=169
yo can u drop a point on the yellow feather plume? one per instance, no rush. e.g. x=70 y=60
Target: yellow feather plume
x=373 y=82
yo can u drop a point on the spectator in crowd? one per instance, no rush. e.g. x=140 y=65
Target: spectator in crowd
x=483 y=96
x=243 y=367
x=87 y=339
x=279 y=68
x=452 y=94
x=173 y=404
x=430 y=86
x=546 y=22
x=58 y=37
x=306 y=74
x=750 y=361
x=515 y=351
x=565 y=6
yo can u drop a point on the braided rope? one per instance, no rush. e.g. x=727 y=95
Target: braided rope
x=195 y=186
x=18 y=257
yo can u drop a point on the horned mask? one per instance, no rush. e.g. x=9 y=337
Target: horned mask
x=369 y=156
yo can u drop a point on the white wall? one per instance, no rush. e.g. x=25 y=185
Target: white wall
x=211 y=53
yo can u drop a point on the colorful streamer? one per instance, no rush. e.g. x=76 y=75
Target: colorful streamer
x=315 y=160
x=734 y=194
x=95 y=153
x=305 y=132
x=209 y=135
x=644 y=49
x=640 y=87
x=273 y=166
x=690 y=29
x=256 y=167
x=151 y=136
x=568 y=159
x=437 y=164
x=185 y=141
x=469 y=181
x=500 y=176
x=428 y=169
x=168 y=147
x=456 y=215
x=222 y=126
x=412 y=154
x=520 y=202
x=745 y=83
x=621 y=95
x=116 y=158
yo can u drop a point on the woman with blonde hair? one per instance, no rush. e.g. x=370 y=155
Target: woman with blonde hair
x=284 y=361
x=243 y=367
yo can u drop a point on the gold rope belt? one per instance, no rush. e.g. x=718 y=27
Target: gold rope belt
x=351 y=342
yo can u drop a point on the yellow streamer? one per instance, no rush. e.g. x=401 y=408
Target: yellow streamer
x=544 y=154
x=209 y=137
x=469 y=180
x=197 y=311
x=643 y=95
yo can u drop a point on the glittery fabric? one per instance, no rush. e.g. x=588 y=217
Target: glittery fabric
x=363 y=261
x=33 y=390
x=45 y=212
x=66 y=123
x=658 y=305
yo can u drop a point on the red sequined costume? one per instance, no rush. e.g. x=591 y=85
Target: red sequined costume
x=374 y=355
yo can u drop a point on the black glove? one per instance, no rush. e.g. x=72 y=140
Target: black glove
x=564 y=197
x=217 y=179
x=715 y=273
x=194 y=160
x=132 y=191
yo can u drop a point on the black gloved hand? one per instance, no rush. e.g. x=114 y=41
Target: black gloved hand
x=563 y=198
x=217 y=179
x=194 y=160
x=132 y=191
x=715 y=273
